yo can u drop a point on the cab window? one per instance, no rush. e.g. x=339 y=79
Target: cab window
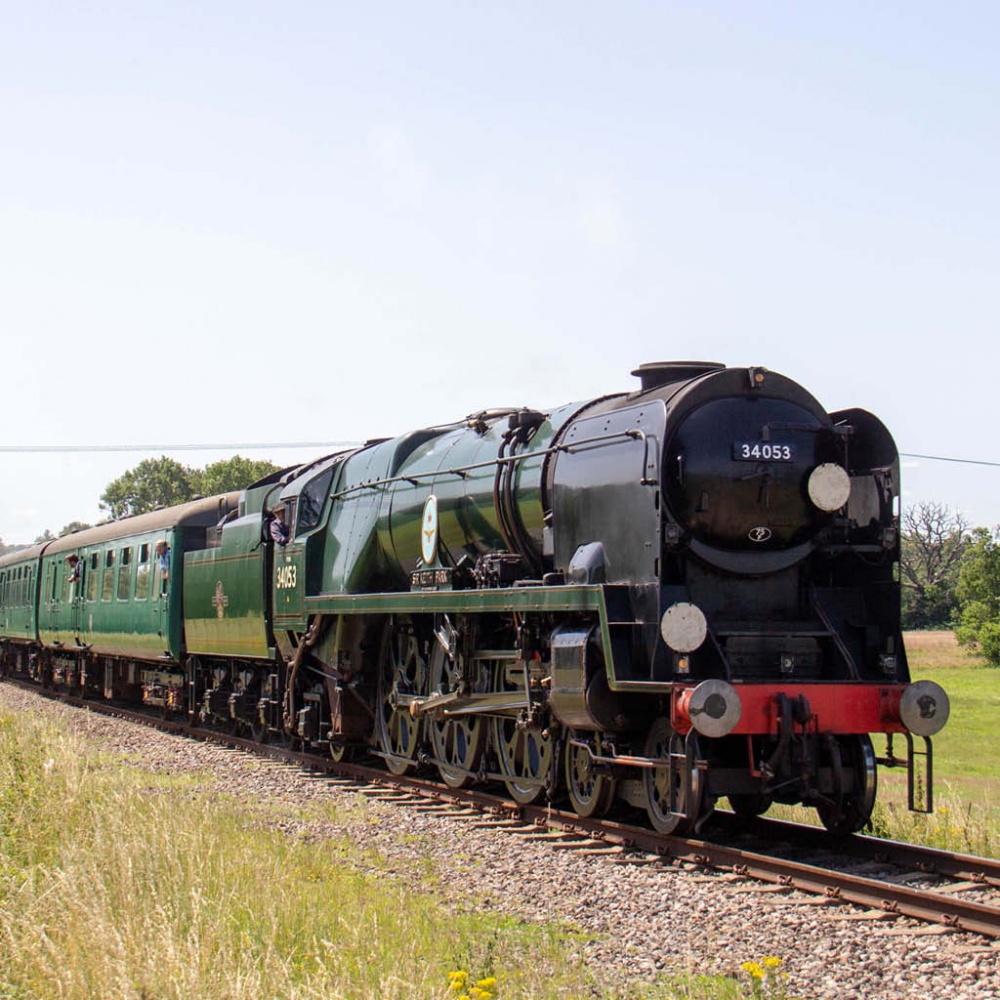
x=311 y=501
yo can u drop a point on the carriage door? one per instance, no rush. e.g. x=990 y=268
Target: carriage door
x=76 y=594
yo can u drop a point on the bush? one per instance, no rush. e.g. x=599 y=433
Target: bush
x=979 y=595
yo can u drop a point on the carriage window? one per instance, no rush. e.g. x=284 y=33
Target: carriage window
x=124 y=570
x=311 y=501
x=95 y=562
x=108 y=587
x=142 y=573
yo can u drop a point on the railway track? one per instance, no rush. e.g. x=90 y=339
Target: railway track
x=886 y=878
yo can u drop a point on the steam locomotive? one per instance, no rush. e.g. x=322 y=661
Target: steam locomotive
x=651 y=600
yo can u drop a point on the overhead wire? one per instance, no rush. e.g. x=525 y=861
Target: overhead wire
x=30 y=449
x=942 y=458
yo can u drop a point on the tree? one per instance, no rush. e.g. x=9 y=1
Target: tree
x=45 y=536
x=934 y=540
x=235 y=473
x=979 y=595
x=162 y=482
x=154 y=482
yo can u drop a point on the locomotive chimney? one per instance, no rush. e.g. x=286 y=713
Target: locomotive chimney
x=654 y=374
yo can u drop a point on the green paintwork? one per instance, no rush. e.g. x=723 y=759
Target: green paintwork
x=372 y=542
x=18 y=595
x=584 y=599
x=104 y=612
x=225 y=600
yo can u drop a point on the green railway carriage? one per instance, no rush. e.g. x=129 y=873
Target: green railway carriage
x=19 y=606
x=114 y=621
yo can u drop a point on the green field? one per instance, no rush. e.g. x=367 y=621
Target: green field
x=968 y=749
x=966 y=752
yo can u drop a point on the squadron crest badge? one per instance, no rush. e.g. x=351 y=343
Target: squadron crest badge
x=429 y=531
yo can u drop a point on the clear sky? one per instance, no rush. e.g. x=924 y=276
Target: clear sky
x=261 y=222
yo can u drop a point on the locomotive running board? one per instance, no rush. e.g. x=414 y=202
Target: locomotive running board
x=541 y=599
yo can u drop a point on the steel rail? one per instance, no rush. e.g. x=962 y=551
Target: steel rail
x=927 y=860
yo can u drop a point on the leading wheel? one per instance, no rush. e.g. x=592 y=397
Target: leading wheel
x=591 y=791
x=457 y=740
x=851 y=810
x=674 y=792
x=402 y=674
x=524 y=748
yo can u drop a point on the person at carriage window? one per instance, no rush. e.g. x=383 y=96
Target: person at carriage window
x=279 y=530
x=163 y=560
x=75 y=573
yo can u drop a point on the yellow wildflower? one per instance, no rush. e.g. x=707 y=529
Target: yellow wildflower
x=770 y=961
x=754 y=968
x=488 y=983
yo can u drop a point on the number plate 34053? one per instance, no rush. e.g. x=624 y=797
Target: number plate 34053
x=763 y=451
